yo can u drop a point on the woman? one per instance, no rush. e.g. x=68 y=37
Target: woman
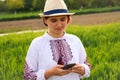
x=48 y=54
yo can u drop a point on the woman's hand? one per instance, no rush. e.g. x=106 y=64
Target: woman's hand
x=78 y=69
x=57 y=71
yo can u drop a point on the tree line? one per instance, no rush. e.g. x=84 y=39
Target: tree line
x=32 y=5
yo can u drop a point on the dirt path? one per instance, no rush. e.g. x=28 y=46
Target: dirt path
x=88 y=19
x=94 y=19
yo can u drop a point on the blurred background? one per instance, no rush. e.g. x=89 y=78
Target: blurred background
x=23 y=14
x=38 y=5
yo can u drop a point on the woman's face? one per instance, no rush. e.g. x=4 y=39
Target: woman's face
x=56 y=25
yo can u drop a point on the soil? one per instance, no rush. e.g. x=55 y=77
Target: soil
x=82 y=20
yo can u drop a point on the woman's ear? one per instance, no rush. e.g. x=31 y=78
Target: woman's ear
x=44 y=21
x=69 y=20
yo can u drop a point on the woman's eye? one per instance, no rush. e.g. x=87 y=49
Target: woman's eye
x=63 y=19
x=53 y=20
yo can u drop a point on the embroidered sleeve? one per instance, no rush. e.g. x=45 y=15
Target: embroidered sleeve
x=83 y=60
x=86 y=62
x=29 y=74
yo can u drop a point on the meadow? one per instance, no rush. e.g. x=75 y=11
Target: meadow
x=102 y=44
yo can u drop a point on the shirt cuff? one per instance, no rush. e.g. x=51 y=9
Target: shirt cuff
x=87 y=71
x=40 y=75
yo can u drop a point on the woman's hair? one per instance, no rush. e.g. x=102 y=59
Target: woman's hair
x=45 y=18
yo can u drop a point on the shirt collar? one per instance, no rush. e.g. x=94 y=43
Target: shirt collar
x=51 y=38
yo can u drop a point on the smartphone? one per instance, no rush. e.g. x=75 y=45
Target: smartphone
x=67 y=66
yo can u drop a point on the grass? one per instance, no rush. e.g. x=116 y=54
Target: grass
x=96 y=10
x=4 y=16
x=15 y=29
x=102 y=44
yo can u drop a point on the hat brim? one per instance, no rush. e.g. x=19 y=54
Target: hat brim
x=58 y=14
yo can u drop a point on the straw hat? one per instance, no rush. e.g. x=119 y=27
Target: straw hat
x=55 y=8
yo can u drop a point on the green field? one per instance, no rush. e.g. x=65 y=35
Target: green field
x=4 y=16
x=102 y=44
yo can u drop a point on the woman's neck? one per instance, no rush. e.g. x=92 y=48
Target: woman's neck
x=56 y=35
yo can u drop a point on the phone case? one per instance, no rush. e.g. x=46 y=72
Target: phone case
x=68 y=66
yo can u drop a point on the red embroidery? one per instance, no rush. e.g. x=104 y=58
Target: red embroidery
x=29 y=74
x=86 y=62
x=61 y=51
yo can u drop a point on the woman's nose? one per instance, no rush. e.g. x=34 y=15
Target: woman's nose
x=59 y=23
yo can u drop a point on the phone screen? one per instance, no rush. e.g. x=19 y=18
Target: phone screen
x=68 y=66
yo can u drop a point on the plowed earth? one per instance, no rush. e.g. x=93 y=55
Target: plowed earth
x=82 y=20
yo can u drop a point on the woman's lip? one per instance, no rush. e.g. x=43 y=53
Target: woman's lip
x=58 y=28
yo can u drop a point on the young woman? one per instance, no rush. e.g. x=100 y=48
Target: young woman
x=48 y=54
